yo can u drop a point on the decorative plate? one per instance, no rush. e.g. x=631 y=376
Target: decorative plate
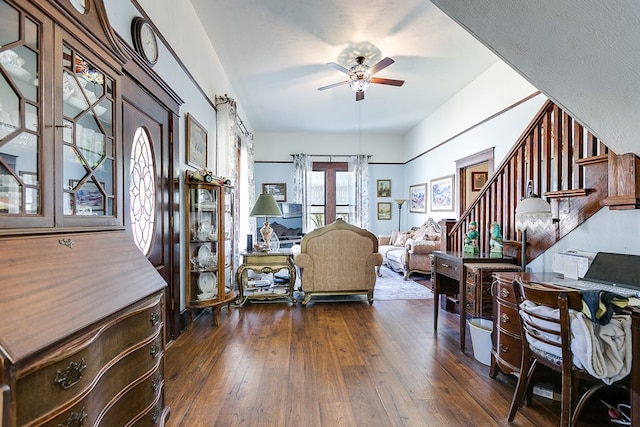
x=204 y=253
x=204 y=196
x=206 y=282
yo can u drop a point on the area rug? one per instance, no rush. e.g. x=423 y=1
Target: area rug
x=389 y=287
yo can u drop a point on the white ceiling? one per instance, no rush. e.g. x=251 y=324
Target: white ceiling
x=274 y=53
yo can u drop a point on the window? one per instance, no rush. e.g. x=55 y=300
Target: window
x=329 y=194
x=142 y=191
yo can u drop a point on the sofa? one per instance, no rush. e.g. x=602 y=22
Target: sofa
x=337 y=259
x=408 y=252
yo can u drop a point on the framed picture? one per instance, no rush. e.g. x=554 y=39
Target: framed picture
x=418 y=198
x=384 y=188
x=384 y=210
x=442 y=194
x=89 y=198
x=278 y=190
x=478 y=179
x=196 y=143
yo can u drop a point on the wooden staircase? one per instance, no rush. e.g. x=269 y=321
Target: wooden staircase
x=568 y=166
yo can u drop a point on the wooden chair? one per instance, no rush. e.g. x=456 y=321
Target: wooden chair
x=555 y=334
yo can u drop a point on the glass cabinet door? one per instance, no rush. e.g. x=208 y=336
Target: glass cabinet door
x=20 y=110
x=229 y=240
x=88 y=134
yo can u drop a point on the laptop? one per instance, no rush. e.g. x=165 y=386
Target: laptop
x=618 y=273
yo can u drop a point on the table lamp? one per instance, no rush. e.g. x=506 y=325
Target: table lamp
x=266 y=206
x=531 y=213
x=400 y=202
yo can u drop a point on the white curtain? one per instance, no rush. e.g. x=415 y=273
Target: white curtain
x=302 y=167
x=359 y=190
x=229 y=141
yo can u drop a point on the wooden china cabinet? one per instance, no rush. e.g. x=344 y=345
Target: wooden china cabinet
x=82 y=311
x=210 y=221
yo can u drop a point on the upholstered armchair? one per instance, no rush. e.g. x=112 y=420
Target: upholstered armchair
x=338 y=259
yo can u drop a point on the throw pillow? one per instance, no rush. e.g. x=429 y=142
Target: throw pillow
x=393 y=237
x=401 y=239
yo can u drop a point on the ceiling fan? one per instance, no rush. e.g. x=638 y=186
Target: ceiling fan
x=361 y=76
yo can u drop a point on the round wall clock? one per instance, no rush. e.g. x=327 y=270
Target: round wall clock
x=144 y=40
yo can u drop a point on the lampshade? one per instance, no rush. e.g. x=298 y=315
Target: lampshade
x=400 y=202
x=532 y=212
x=266 y=206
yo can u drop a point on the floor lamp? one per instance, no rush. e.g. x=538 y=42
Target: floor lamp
x=400 y=202
x=532 y=213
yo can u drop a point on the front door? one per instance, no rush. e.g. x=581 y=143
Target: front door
x=148 y=187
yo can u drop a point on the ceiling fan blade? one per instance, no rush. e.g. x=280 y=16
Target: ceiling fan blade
x=390 y=82
x=338 y=67
x=383 y=63
x=333 y=85
x=359 y=96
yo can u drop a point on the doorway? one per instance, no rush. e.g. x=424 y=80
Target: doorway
x=473 y=172
x=148 y=188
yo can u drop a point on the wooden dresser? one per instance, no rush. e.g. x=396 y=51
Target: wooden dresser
x=507 y=339
x=81 y=331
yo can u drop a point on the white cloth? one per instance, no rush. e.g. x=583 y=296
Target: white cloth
x=604 y=351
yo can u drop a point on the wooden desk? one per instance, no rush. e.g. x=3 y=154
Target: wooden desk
x=508 y=347
x=448 y=279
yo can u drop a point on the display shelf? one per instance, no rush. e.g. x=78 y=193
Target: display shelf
x=210 y=223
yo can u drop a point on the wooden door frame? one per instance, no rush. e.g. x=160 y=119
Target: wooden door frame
x=463 y=164
x=136 y=72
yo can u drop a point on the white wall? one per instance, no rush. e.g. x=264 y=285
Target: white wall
x=494 y=90
x=278 y=147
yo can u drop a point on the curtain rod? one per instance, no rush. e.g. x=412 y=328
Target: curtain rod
x=332 y=155
x=225 y=99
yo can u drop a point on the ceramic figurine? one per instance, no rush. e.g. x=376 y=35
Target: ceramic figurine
x=495 y=241
x=471 y=238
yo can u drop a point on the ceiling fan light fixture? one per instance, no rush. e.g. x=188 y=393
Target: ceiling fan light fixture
x=359 y=84
x=359 y=76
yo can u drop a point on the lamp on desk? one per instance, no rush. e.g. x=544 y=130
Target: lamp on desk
x=400 y=202
x=532 y=213
x=266 y=206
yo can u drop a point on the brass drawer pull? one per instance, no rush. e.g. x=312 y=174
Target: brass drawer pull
x=155 y=383
x=504 y=349
x=155 y=416
x=155 y=318
x=446 y=265
x=155 y=349
x=76 y=419
x=505 y=318
x=71 y=376
x=504 y=293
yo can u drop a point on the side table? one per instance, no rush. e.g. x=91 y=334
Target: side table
x=448 y=278
x=265 y=263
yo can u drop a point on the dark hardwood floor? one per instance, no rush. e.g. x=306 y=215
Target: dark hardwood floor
x=337 y=364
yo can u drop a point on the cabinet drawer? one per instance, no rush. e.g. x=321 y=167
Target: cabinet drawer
x=508 y=319
x=139 y=400
x=448 y=268
x=478 y=304
x=125 y=374
x=508 y=348
x=503 y=291
x=74 y=369
x=471 y=277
